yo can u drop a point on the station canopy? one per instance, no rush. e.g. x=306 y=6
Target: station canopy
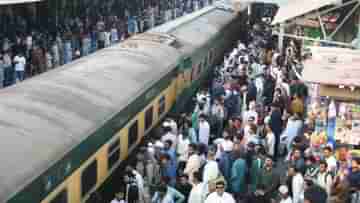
x=296 y=8
x=9 y=2
x=333 y=66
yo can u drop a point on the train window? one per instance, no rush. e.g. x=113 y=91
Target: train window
x=162 y=105
x=133 y=133
x=149 y=117
x=61 y=197
x=89 y=178
x=113 y=153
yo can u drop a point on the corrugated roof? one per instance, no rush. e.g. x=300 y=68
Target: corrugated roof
x=8 y=2
x=296 y=8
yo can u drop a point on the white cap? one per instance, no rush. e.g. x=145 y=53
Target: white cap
x=166 y=124
x=159 y=144
x=283 y=189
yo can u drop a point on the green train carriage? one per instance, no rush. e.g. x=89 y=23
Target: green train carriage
x=66 y=131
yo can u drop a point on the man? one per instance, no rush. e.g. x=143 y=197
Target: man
x=354 y=178
x=220 y=196
x=315 y=194
x=276 y=124
x=238 y=176
x=268 y=182
x=198 y=192
x=183 y=186
x=193 y=163
x=297 y=184
x=161 y=195
x=204 y=130
x=330 y=160
x=139 y=182
x=119 y=198
x=298 y=161
x=284 y=194
x=168 y=169
x=169 y=135
x=211 y=168
x=324 y=178
x=20 y=63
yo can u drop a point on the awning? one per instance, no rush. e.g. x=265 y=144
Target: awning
x=296 y=8
x=333 y=66
x=9 y=2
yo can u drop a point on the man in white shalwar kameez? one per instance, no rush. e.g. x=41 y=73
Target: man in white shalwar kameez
x=193 y=163
x=220 y=196
x=204 y=130
x=198 y=193
x=211 y=169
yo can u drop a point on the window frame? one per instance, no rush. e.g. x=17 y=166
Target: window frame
x=149 y=123
x=162 y=105
x=93 y=166
x=132 y=141
x=114 y=150
x=62 y=194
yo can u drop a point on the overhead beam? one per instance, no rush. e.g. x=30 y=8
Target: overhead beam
x=315 y=40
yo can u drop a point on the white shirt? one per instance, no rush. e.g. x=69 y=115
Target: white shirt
x=215 y=198
x=211 y=171
x=182 y=148
x=139 y=180
x=287 y=200
x=117 y=201
x=20 y=62
x=270 y=142
x=204 y=132
x=325 y=184
x=227 y=145
x=298 y=188
x=332 y=164
x=197 y=194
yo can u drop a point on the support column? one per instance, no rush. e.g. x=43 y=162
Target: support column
x=281 y=38
x=358 y=34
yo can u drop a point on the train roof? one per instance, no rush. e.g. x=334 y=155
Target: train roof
x=193 y=34
x=45 y=117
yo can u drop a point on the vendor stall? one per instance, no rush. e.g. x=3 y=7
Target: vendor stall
x=333 y=75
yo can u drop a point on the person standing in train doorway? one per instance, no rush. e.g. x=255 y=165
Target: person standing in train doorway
x=119 y=198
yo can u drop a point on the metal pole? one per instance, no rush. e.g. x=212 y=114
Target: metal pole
x=344 y=20
x=281 y=38
x=358 y=35
x=322 y=27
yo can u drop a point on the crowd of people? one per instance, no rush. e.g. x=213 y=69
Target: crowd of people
x=30 y=49
x=229 y=148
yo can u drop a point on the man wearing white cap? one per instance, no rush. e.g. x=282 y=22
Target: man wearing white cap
x=284 y=194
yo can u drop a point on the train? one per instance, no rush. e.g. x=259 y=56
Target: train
x=66 y=131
